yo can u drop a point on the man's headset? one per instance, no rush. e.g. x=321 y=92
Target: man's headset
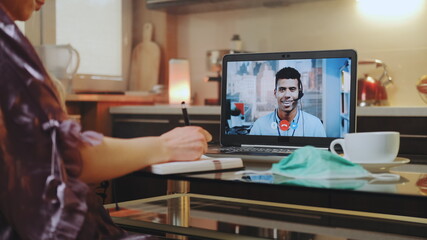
x=300 y=90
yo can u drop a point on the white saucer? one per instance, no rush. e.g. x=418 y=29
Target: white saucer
x=384 y=167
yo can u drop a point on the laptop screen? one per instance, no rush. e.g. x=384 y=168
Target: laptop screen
x=293 y=98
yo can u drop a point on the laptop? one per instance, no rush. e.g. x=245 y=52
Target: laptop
x=275 y=103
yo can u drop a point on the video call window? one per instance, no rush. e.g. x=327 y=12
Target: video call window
x=321 y=108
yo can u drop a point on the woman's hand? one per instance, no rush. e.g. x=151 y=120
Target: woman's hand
x=186 y=143
x=117 y=157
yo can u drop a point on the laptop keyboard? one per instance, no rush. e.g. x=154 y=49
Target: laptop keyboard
x=258 y=150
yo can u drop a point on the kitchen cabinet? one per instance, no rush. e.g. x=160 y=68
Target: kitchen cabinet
x=138 y=121
x=92 y=110
x=411 y=122
x=197 y=6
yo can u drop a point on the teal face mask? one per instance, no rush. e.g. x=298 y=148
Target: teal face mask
x=309 y=166
x=323 y=183
x=313 y=163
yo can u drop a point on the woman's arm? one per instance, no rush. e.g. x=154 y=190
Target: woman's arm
x=116 y=157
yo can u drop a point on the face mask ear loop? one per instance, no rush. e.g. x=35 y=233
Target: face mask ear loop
x=384 y=177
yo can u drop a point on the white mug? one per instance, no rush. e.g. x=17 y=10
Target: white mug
x=369 y=147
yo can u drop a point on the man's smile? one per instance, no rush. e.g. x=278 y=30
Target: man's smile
x=287 y=103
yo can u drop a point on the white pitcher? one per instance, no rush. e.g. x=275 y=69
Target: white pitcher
x=61 y=61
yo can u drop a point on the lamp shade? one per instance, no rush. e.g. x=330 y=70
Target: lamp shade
x=179 y=81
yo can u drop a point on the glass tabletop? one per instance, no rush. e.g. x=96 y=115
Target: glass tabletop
x=413 y=180
x=211 y=217
x=404 y=197
x=264 y=205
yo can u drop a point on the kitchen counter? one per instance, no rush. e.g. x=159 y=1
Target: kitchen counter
x=172 y=109
x=92 y=110
x=145 y=99
x=392 y=111
x=166 y=109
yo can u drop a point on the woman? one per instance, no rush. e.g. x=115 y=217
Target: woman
x=45 y=160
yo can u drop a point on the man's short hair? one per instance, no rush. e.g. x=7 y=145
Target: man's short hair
x=288 y=73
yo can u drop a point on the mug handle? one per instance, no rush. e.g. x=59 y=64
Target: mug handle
x=338 y=141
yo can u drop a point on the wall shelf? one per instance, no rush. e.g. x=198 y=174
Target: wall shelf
x=198 y=6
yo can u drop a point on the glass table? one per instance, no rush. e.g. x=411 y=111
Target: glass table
x=233 y=205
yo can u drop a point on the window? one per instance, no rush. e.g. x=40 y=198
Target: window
x=21 y=25
x=94 y=28
x=100 y=30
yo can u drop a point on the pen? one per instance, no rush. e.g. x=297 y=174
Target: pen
x=185 y=114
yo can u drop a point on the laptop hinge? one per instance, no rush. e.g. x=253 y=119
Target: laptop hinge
x=277 y=146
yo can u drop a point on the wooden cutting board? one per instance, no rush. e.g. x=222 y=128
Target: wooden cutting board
x=145 y=62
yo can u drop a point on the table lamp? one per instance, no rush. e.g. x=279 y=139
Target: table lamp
x=179 y=81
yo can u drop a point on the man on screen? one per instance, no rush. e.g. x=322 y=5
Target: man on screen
x=287 y=119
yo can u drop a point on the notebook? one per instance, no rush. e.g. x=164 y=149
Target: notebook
x=204 y=164
x=274 y=103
